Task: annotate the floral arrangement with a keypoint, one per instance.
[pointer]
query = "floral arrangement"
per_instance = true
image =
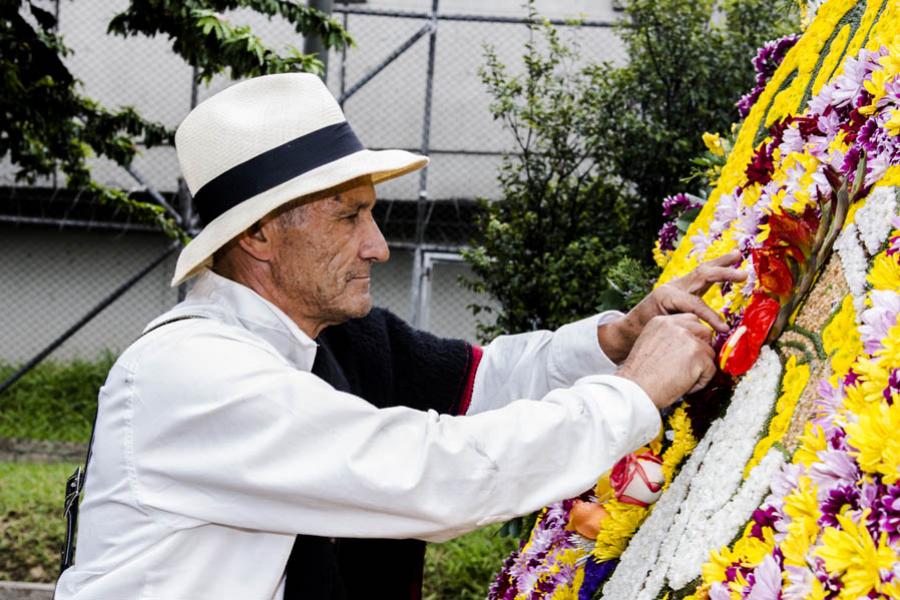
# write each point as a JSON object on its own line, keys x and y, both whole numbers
{"x": 831, "y": 526}
{"x": 568, "y": 554}
{"x": 807, "y": 486}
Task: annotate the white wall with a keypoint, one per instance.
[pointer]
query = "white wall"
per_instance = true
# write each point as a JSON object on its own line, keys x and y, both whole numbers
{"x": 49, "y": 279}
{"x": 387, "y": 112}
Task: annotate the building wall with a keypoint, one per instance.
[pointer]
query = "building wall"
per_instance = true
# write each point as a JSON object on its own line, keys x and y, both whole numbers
{"x": 50, "y": 279}
{"x": 388, "y": 112}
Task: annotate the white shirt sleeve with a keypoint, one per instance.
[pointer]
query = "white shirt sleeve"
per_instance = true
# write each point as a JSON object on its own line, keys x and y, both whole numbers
{"x": 529, "y": 365}
{"x": 222, "y": 431}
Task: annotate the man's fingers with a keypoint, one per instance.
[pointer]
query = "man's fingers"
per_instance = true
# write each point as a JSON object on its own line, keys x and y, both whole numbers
{"x": 703, "y": 277}
{"x": 709, "y": 371}
{"x": 684, "y": 302}
{"x": 725, "y": 259}
{"x": 698, "y": 330}
{"x": 717, "y": 270}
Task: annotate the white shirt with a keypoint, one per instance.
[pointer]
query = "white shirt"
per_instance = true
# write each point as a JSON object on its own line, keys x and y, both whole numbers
{"x": 215, "y": 446}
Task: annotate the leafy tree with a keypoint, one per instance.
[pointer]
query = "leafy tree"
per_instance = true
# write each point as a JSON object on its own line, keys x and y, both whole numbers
{"x": 597, "y": 149}
{"x": 49, "y": 126}
{"x": 689, "y": 63}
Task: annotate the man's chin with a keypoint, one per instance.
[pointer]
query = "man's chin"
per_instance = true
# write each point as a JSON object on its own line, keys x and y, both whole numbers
{"x": 359, "y": 309}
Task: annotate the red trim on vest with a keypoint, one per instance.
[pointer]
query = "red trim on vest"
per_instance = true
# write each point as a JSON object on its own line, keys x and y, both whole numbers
{"x": 474, "y": 361}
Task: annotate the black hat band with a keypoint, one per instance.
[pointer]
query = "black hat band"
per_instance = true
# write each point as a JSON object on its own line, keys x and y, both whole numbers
{"x": 274, "y": 167}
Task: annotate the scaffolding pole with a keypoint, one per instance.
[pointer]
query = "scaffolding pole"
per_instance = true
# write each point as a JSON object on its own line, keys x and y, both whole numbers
{"x": 422, "y": 199}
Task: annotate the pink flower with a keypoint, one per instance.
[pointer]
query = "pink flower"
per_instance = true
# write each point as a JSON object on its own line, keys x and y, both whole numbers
{"x": 767, "y": 580}
{"x": 879, "y": 319}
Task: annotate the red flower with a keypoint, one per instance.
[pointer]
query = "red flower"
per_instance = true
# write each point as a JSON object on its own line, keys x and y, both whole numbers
{"x": 761, "y": 167}
{"x": 772, "y": 271}
{"x": 741, "y": 349}
{"x": 794, "y": 232}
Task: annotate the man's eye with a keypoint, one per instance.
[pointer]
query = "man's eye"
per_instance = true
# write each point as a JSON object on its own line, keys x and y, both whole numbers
{"x": 352, "y": 217}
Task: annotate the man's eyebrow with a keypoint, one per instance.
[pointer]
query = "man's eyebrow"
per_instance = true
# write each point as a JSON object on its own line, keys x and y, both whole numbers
{"x": 350, "y": 204}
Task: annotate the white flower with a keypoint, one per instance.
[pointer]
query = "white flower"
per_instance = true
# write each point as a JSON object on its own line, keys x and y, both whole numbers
{"x": 873, "y": 219}
{"x": 707, "y": 502}
{"x": 855, "y": 264}
{"x": 643, "y": 551}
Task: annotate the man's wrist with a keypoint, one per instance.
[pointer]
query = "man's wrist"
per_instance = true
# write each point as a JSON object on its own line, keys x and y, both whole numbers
{"x": 615, "y": 340}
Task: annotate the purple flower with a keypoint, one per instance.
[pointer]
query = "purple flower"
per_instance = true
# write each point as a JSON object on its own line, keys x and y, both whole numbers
{"x": 831, "y": 583}
{"x": 848, "y": 88}
{"x": 851, "y": 378}
{"x": 677, "y": 204}
{"x": 884, "y": 502}
{"x": 837, "y": 499}
{"x": 823, "y": 102}
{"x": 594, "y": 574}
{"x": 893, "y": 387}
{"x": 764, "y": 517}
{"x": 878, "y": 320}
{"x": 668, "y": 236}
{"x": 524, "y": 568}
{"x": 765, "y": 63}
{"x": 673, "y": 208}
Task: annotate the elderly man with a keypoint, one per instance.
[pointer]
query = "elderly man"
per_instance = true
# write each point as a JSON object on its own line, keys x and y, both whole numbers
{"x": 225, "y": 430}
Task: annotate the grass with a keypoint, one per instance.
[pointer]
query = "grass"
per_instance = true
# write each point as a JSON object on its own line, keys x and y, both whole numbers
{"x": 32, "y": 527}
{"x": 462, "y": 569}
{"x": 54, "y": 401}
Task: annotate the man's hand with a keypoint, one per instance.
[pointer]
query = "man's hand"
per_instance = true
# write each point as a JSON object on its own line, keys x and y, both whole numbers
{"x": 672, "y": 356}
{"x": 677, "y": 296}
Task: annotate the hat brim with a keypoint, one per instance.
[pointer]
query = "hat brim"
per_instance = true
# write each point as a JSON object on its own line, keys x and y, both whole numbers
{"x": 381, "y": 165}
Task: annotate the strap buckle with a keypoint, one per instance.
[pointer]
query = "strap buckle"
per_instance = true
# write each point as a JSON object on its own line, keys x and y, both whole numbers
{"x": 74, "y": 485}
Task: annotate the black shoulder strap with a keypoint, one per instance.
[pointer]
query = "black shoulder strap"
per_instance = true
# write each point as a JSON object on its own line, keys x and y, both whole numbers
{"x": 75, "y": 482}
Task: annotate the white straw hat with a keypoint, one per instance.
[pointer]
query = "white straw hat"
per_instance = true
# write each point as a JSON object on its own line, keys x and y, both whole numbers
{"x": 262, "y": 143}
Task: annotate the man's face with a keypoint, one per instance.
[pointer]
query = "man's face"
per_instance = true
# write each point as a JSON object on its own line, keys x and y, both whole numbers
{"x": 323, "y": 254}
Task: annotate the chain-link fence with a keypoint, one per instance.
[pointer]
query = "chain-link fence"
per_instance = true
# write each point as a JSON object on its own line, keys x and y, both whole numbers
{"x": 410, "y": 82}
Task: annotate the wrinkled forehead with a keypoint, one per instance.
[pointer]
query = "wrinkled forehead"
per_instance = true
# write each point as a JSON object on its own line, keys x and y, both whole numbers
{"x": 353, "y": 194}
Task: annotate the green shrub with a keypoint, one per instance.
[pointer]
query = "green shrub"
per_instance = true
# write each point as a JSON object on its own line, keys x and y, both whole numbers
{"x": 462, "y": 569}
{"x": 32, "y": 527}
{"x": 54, "y": 401}
{"x": 597, "y": 148}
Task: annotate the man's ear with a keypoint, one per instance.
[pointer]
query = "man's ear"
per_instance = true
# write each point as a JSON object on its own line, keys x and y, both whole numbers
{"x": 258, "y": 240}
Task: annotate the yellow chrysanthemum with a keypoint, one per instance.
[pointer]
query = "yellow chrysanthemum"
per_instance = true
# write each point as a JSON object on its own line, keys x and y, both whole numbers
{"x": 885, "y": 273}
{"x": 568, "y": 591}
{"x": 802, "y": 507}
{"x": 893, "y": 125}
{"x": 889, "y": 355}
{"x": 811, "y": 443}
{"x": 873, "y": 377}
{"x": 874, "y": 438}
{"x": 737, "y": 585}
{"x": 660, "y": 257}
{"x": 715, "y": 568}
{"x": 683, "y": 443}
{"x": 617, "y": 529}
{"x": 852, "y": 553}
{"x": 841, "y": 340}
{"x": 794, "y": 382}
{"x": 714, "y": 143}
{"x": 751, "y": 550}
{"x": 854, "y": 397}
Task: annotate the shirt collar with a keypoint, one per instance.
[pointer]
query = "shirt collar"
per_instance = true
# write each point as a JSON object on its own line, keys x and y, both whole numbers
{"x": 236, "y": 303}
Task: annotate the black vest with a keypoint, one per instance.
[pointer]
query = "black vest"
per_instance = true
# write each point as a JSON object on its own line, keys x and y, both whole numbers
{"x": 384, "y": 361}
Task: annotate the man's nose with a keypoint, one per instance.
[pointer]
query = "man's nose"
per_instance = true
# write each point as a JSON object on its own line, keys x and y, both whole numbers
{"x": 374, "y": 247}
